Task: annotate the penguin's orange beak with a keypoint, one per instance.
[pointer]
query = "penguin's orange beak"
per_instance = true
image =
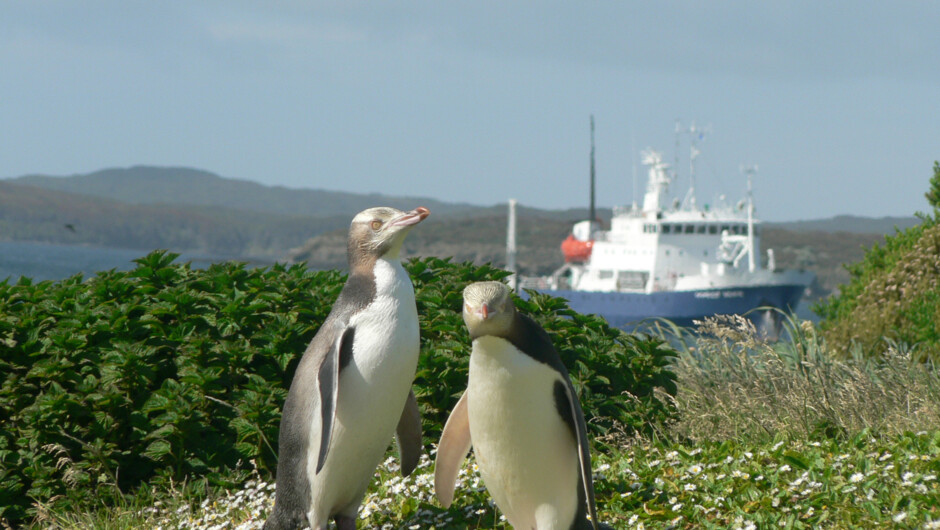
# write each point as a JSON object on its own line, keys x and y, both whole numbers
{"x": 483, "y": 312}
{"x": 411, "y": 218}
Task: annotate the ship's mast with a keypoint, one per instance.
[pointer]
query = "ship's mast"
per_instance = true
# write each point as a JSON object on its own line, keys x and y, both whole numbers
{"x": 633, "y": 163}
{"x": 695, "y": 133}
{"x": 593, "y": 214}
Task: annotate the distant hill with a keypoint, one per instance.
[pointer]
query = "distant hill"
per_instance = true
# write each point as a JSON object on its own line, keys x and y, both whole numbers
{"x": 28, "y": 213}
{"x": 183, "y": 209}
{"x": 186, "y": 186}
{"x": 850, "y": 224}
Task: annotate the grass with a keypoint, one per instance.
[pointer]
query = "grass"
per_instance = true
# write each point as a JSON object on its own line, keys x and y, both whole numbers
{"x": 734, "y": 385}
{"x": 771, "y": 435}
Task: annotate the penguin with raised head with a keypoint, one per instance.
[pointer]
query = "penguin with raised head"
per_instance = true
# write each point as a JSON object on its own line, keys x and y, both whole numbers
{"x": 352, "y": 388}
{"x": 524, "y": 420}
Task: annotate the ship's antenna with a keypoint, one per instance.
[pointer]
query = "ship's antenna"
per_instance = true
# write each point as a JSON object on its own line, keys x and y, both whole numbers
{"x": 695, "y": 133}
{"x": 693, "y": 154}
{"x": 593, "y": 214}
{"x": 633, "y": 162}
{"x": 675, "y": 167}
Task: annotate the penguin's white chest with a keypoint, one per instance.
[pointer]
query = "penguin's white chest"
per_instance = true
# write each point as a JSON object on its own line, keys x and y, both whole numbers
{"x": 373, "y": 388}
{"x": 527, "y": 454}
{"x": 387, "y": 335}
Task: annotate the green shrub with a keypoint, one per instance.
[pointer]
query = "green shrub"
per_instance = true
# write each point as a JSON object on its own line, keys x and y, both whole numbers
{"x": 168, "y": 373}
{"x": 893, "y": 295}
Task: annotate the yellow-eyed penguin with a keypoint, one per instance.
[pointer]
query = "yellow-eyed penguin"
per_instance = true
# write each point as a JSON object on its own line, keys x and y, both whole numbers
{"x": 352, "y": 388}
{"x": 524, "y": 419}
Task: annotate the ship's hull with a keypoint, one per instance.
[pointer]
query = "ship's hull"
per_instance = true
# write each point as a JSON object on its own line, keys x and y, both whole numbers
{"x": 627, "y": 310}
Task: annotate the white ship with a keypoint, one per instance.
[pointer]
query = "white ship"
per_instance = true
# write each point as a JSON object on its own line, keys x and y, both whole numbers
{"x": 671, "y": 259}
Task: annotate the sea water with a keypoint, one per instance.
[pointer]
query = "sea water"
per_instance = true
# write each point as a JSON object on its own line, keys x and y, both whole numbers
{"x": 45, "y": 261}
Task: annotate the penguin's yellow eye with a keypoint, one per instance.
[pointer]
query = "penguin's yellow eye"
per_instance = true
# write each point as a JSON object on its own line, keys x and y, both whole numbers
{"x": 376, "y": 224}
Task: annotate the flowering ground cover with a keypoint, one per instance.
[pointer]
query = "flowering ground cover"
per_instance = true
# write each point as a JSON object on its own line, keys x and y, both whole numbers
{"x": 863, "y": 482}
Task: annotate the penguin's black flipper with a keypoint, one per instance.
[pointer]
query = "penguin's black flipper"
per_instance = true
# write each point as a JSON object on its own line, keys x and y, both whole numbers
{"x": 566, "y": 398}
{"x": 328, "y": 377}
{"x": 408, "y": 435}
{"x": 453, "y": 448}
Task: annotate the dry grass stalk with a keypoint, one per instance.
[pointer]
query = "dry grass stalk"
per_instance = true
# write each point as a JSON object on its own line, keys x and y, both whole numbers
{"x": 735, "y": 384}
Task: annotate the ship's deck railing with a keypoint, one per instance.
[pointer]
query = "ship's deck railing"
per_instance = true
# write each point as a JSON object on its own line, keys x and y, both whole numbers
{"x": 534, "y": 282}
{"x": 631, "y": 211}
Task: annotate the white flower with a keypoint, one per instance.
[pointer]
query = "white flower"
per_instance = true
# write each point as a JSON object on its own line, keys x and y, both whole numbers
{"x": 900, "y": 517}
{"x": 857, "y": 477}
{"x": 689, "y": 487}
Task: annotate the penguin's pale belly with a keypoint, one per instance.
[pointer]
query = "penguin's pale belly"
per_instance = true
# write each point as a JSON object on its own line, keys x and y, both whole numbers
{"x": 528, "y": 456}
{"x": 372, "y": 393}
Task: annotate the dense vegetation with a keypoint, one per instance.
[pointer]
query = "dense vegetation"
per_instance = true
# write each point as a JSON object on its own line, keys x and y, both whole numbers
{"x": 770, "y": 434}
{"x": 894, "y": 292}
{"x": 165, "y": 374}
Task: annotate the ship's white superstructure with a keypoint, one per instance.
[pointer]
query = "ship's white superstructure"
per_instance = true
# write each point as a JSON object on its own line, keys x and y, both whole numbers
{"x": 663, "y": 246}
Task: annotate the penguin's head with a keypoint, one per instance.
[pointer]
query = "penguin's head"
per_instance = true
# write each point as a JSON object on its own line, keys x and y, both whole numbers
{"x": 488, "y": 309}
{"x": 379, "y": 232}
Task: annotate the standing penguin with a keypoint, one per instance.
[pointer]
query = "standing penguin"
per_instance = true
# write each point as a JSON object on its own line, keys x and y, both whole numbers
{"x": 352, "y": 388}
{"x": 525, "y": 421}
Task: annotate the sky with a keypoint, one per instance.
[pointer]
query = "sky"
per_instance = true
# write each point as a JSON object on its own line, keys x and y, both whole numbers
{"x": 836, "y": 103}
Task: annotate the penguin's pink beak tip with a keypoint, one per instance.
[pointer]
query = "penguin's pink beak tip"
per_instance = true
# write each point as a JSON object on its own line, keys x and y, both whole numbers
{"x": 412, "y": 218}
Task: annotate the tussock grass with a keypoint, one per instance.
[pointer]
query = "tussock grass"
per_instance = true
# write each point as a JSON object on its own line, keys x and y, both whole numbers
{"x": 735, "y": 384}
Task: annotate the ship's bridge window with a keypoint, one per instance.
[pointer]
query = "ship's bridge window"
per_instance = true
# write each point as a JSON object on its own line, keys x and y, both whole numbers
{"x": 605, "y": 275}
{"x": 689, "y": 229}
{"x": 667, "y": 228}
{"x": 713, "y": 229}
{"x": 649, "y": 228}
{"x": 700, "y": 229}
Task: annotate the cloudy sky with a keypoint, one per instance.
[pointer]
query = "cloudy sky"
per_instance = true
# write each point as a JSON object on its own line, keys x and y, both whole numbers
{"x": 838, "y": 103}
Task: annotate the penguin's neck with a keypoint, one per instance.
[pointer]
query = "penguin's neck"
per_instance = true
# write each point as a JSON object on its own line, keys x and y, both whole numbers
{"x": 391, "y": 279}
